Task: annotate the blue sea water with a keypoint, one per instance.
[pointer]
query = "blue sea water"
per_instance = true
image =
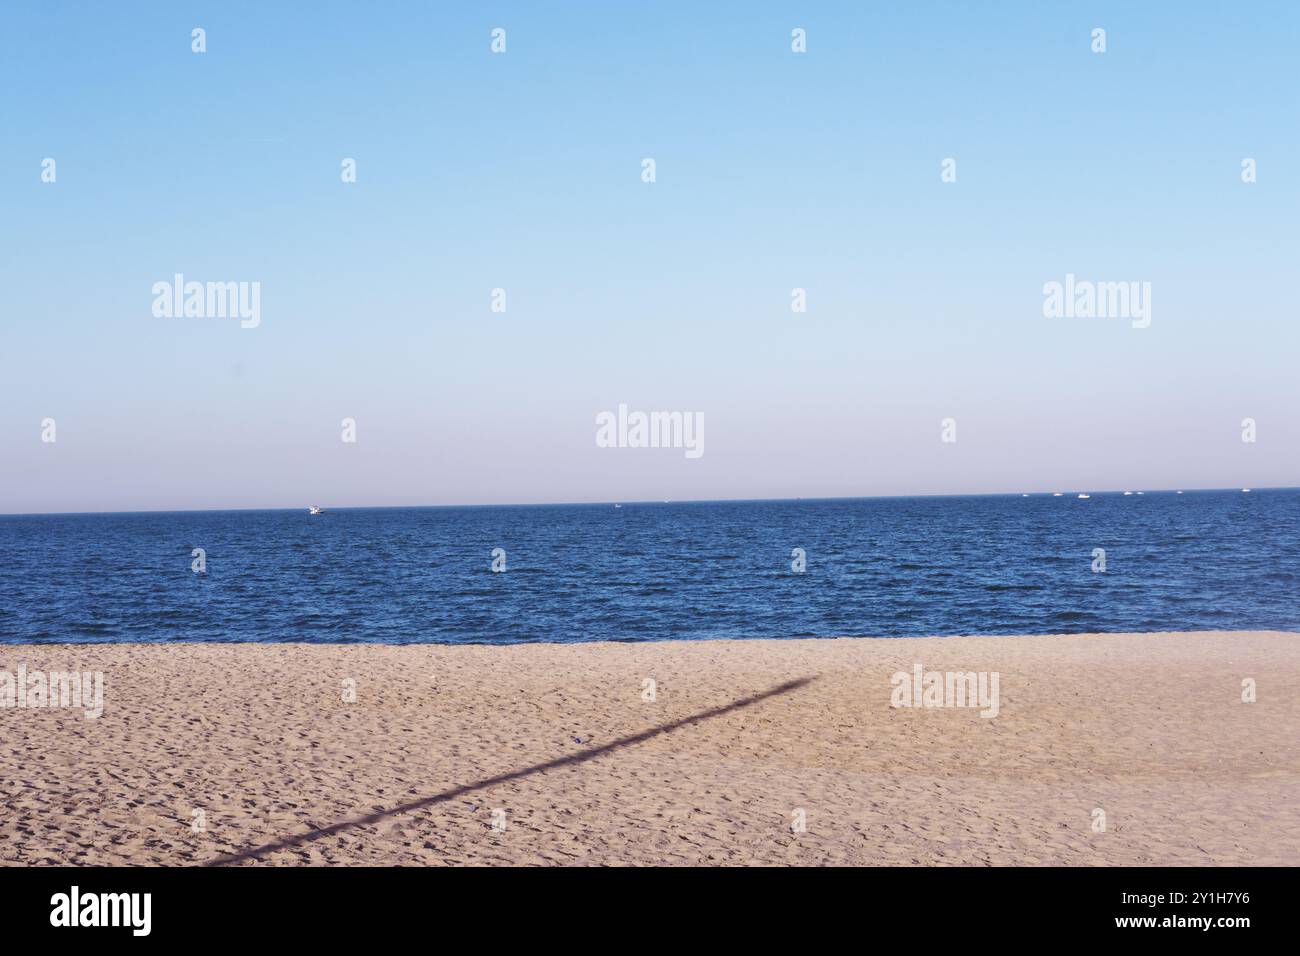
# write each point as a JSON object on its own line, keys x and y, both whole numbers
{"x": 876, "y": 566}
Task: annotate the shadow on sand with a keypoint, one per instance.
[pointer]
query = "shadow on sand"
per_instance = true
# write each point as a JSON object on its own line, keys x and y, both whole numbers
{"x": 288, "y": 843}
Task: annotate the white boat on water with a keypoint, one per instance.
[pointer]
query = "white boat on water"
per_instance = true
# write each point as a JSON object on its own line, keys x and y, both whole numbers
{"x": 1128, "y": 493}
{"x": 1085, "y": 496}
{"x": 1245, "y": 491}
{"x": 313, "y": 510}
{"x": 1056, "y": 494}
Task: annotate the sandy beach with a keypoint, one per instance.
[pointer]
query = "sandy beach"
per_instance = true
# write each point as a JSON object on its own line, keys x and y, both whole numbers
{"x": 740, "y": 752}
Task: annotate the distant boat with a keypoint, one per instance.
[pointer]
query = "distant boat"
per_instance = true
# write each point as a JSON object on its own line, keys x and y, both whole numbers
{"x": 618, "y": 506}
{"x": 313, "y": 510}
{"x": 1246, "y": 490}
{"x": 1056, "y": 494}
{"x": 1085, "y": 496}
{"x": 1140, "y": 492}
{"x": 1129, "y": 492}
{"x": 1024, "y": 496}
{"x": 1178, "y": 492}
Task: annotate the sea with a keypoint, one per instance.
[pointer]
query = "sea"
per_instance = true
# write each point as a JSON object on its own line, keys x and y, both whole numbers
{"x": 652, "y": 571}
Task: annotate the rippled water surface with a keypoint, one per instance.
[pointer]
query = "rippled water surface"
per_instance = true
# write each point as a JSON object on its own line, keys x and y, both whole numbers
{"x": 882, "y": 566}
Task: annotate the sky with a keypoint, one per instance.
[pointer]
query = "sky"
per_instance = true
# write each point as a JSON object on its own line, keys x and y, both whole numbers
{"x": 523, "y": 171}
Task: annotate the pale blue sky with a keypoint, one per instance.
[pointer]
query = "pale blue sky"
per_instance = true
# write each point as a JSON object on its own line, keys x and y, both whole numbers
{"x": 522, "y": 171}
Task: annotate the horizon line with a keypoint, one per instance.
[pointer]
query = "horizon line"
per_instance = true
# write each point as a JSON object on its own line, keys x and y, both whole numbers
{"x": 646, "y": 501}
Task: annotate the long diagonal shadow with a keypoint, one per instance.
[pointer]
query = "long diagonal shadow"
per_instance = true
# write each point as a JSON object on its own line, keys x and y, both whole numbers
{"x": 287, "y": 843}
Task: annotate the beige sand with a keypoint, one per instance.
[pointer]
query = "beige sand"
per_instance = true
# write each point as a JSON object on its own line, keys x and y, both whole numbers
{"x": 1149, "y": 728}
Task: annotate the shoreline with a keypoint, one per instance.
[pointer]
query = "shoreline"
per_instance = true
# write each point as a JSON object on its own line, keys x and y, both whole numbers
{"x": 742, "y": 751}
{"x": 633, "y": 642}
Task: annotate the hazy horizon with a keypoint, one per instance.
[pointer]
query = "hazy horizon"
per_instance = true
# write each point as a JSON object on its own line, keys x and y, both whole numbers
{"x": 1065, "y": 492}
{"x": 775, "y": 171}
